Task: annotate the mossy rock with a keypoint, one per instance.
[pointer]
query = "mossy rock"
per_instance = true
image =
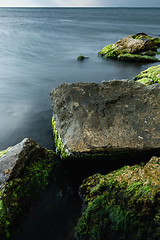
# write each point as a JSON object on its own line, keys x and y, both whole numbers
{"x": 149, "y": 76}
{"x": 22, "y": 191}
{"x": 109, "y": 51}
{"x": 125, "y": 204}
{"x": 156, "y": 40}
{"x": 81, "y": 58}
{"x": 136, "y": 58}
{"x": 136, "y": 48}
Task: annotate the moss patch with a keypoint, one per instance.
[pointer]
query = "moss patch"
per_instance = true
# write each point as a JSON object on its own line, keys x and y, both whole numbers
{"x": 121, "y": 205}
{"x": 109, "y": 51}
{"x": 58, "y": 141}
{"x": 21, "y": 193}
{"x": 149, "y": 76}
{"x": 137, "y": 58}
{"x": 4, "y": 152}
{"x": 156, "y": 40}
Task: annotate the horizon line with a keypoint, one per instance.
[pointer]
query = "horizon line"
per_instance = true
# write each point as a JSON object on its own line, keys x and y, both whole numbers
{"x": 79, "y": 7}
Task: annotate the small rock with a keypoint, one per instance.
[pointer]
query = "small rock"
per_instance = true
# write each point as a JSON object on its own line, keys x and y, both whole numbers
{"x": 81, "y": 58}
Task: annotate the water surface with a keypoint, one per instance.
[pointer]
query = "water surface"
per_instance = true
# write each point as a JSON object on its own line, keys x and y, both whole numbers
{"x": 38, "y": 51}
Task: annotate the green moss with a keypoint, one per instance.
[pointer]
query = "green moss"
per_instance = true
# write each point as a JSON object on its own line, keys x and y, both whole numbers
{"x": 141, "y": 36}
{"x": 58, "y": 141}
{"x": 156, "y": 41}
{"x": 149, "y": 76}
{"x": 81, "y": 58}
{"x": 146, "y": 81}
{"x": 148, "y": 53}
{"x": 137, "y": 58}
{"x": 109, "y": 51}
{"x": 4, "y": 152}
{"x": 102, "y": 219}
{"x": 21, "y": 193}
{"x": 120, "y": 206}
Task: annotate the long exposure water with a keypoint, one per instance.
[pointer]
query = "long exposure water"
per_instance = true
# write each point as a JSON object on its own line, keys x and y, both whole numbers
{"x": 38, "y": 51}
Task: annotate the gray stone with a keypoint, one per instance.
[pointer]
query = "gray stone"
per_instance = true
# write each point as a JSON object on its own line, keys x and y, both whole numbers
{"x": 14, "y": 159}
{"x": 131, "y": 45}
{"x": 118, "y": 115}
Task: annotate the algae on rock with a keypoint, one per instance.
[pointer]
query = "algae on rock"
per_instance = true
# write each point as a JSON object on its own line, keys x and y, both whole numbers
{"x": 136, "y": 48}
{"x": 2, "y": 152}
{"x": 149, "y": 76}
{"x": 58, "y": 141}
{"x": 81, "y": 58}
{"x": 124, "y": 204}
{"x": 21, "y": 189}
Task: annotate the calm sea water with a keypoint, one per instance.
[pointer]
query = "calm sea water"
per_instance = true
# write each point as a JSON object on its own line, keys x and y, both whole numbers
{"x": 38, "y": 51}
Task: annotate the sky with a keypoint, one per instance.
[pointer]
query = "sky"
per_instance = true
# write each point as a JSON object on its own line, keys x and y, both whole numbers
{"x": 80, "y": 3}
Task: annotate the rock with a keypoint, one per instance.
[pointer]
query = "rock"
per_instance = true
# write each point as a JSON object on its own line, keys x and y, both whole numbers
{"x": 139, "y": 48}
{"x": 15, "y": 158}
{"x": 123, "y": 204}
{"x": 81, "y": 58}
{"x": 149, "y": 76}
{"x": 116, "y": 116}
{"x": 26, "y": 170}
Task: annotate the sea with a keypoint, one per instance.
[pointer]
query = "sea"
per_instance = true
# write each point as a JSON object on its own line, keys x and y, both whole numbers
{"x": 38, "y": 51}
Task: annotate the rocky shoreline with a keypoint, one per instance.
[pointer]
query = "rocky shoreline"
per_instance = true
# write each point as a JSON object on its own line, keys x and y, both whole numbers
{"x": 111, "y": 129}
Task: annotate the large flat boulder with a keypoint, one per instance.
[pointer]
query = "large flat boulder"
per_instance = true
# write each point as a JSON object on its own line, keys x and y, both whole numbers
{"x": 119, "y": 115}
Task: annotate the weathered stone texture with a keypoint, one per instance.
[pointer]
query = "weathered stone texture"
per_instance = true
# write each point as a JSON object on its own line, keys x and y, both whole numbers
{"x": 17, "y": 157}
{"x": 118, "y": 115}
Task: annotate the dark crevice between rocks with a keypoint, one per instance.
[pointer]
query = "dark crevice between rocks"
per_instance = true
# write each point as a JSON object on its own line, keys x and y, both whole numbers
{"x": 56, "y": 213}
{"x": 82, "y": 166}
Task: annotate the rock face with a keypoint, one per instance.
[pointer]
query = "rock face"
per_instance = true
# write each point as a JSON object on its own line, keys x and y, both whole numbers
{"x": 122, "y": 205}
{"x": 149, "y": 76}
{"x": 14, "y": 159}
{"x": 138, "y": 48}
{"x": 120, "y": 115}
{"x": 132, "y": 45}
{"x": 25, "y": 172}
